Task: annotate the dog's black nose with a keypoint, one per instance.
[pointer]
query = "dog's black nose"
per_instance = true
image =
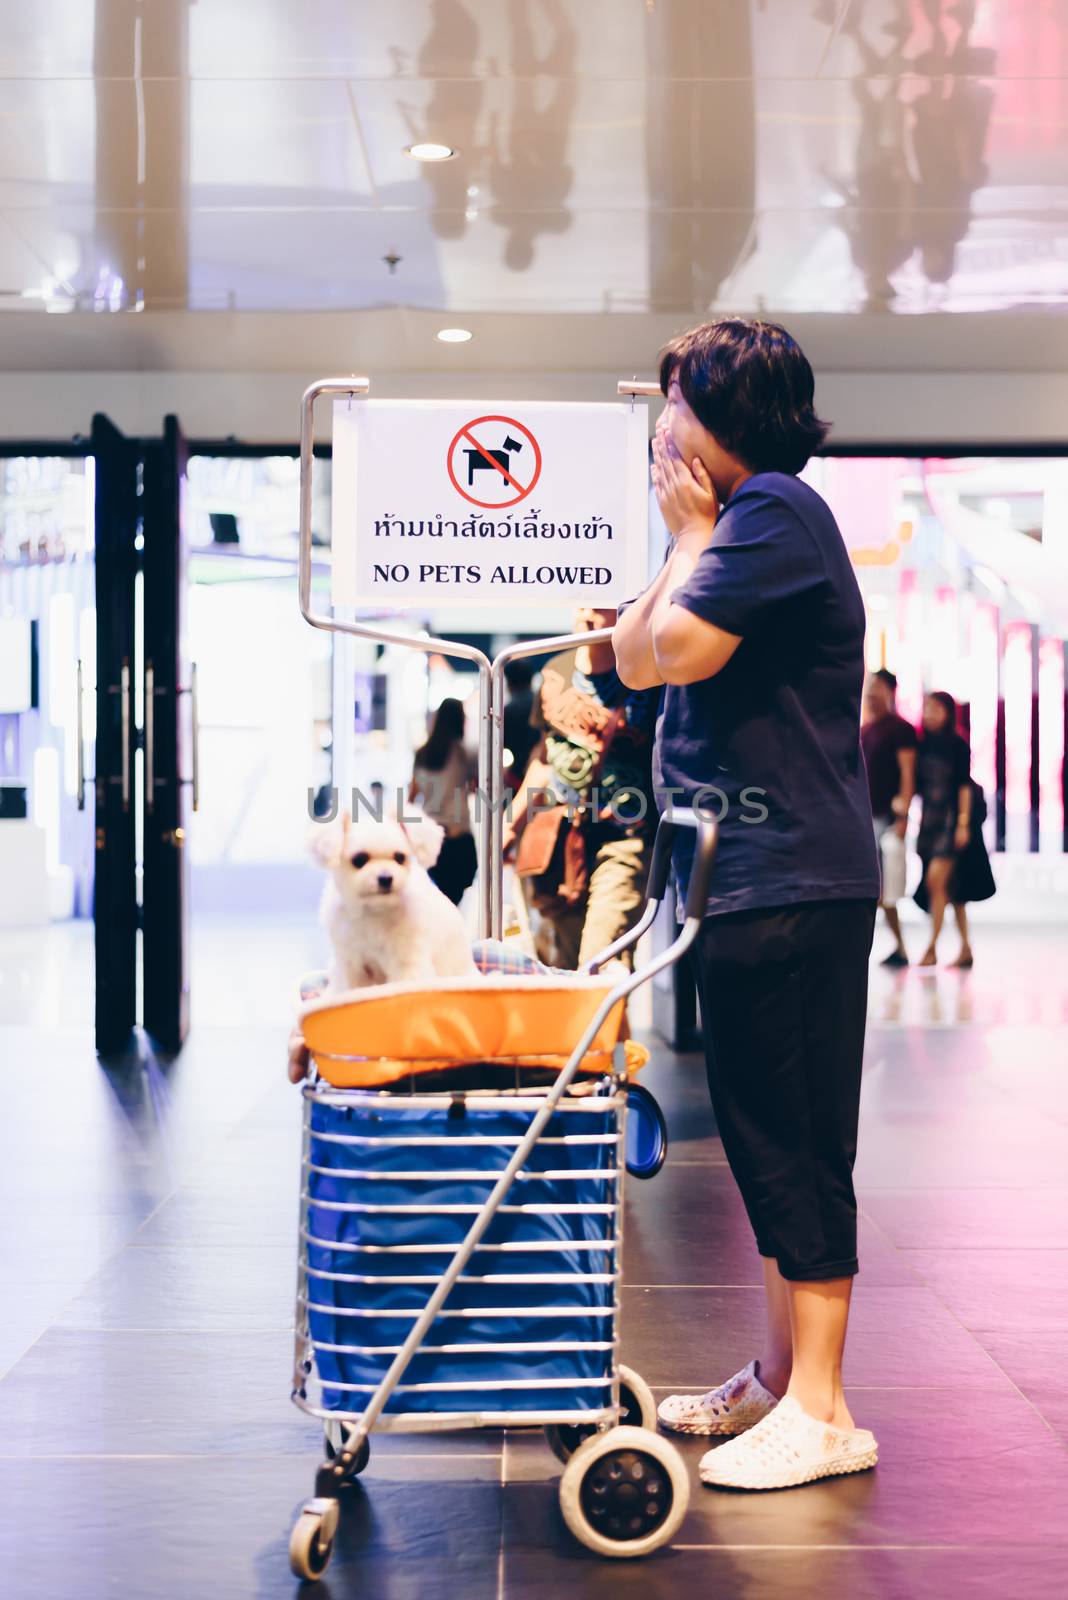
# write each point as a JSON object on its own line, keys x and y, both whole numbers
{"x": 385, "y": 882}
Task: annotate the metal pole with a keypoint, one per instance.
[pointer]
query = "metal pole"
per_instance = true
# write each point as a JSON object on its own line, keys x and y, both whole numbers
{"x": 355, "y": 386}
{"x": 489, "y": 845}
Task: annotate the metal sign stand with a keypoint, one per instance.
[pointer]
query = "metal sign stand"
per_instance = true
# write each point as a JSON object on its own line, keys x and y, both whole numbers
{"x": 491, "y": 683}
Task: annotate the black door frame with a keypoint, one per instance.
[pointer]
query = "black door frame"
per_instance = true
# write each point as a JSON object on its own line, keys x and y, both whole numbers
{"x": 115, "y": 909}
{"x": 169, "y": 741}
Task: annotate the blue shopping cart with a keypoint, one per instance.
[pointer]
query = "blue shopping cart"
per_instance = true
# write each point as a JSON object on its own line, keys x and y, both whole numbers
{"x": 461, "y": 1229}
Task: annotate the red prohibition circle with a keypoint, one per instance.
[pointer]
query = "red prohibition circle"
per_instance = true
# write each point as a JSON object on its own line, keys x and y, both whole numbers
{"x": 465, "y": 432}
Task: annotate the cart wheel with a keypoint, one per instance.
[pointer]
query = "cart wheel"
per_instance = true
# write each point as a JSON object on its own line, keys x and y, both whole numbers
{"x": 637, "y": 1410}
{"x": 624, "y": 1492}
{"x": 335, "y": 1438}
{"x": 311, "y": 1544}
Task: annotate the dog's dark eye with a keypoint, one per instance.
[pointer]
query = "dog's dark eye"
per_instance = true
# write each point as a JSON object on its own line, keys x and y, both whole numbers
{"x": 399, "y": 857}
{"x": 361, "y": 858}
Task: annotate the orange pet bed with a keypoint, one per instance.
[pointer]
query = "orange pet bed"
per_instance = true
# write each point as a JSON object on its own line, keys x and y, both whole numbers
{"x": 370, "y": 1038}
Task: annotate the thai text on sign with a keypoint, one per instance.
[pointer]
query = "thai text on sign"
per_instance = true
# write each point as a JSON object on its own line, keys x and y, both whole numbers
{"x": 476, "y": 502}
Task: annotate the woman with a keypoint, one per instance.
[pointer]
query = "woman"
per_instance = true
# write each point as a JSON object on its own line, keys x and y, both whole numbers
{"x": 950, "y": 845}
{"x": 441, "y": 781}
{"x": 755, "y": 625}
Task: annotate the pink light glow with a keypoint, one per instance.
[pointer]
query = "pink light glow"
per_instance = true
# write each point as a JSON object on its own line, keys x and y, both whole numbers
{"x": 1018, "y": 690}
{"x": 983, "y": 694}
{"x": 945, "y": 653}
{"x": 908, "y": 658}
{"x": 1051, "y": 740}
{"x": 865, "y": 495}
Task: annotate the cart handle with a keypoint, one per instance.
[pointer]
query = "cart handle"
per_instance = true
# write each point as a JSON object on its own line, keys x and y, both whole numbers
{"x": 674, "y": 818}
{"x": 707, "y": 832}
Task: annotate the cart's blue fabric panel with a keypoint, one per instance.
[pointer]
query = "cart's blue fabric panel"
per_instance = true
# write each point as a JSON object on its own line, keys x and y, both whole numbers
{"x": 369, "y": 1223}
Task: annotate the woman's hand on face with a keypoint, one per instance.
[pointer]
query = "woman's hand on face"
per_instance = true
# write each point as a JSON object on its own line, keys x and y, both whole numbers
{"x": 684, "y": 491}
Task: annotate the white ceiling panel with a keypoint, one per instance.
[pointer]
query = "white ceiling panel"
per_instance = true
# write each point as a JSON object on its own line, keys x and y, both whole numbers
{"x": 652, "y": 157}
{"x": 281, "y": 143}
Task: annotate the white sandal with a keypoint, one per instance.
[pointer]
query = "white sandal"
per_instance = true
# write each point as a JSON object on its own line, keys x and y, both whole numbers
{"x": 786, "y": 1449}
{"x": 736, "y": 1405}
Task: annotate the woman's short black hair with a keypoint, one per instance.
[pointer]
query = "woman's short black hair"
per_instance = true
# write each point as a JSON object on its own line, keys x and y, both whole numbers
{"x": 750, "y": 385}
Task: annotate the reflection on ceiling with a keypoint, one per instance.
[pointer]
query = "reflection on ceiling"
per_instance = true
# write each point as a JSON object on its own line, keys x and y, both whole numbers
{"x": 665, "y": 156}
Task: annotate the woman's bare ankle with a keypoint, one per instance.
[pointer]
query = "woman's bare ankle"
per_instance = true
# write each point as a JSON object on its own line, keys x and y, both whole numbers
{"x": 826, "y": 1405}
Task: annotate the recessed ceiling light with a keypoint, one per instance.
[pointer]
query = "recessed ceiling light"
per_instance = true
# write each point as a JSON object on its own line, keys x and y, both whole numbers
{"x": 454, "y": 335}
{"x": 430, "y": 152}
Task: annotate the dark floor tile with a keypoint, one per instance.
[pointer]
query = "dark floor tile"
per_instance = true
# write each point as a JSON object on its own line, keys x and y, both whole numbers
{"x": 971, "y": 1219}
{"x": 938, "y": 1071}
{"x": 1035, "y": 1362}
{"x": 221, "y": 1216}
{"x": 688, "y": 1225}
{"x": 38, "y": 1238}
{"x": 247, "y": 1161}
{"x": 1029, "y": 1068}
{"x": 688, "y": 1339}
{"x": 32, "y": 1304}
{"x": 189, "y": 1288}
{"x": 541, "y": 1569}
{"x": 59, "y": 1264}
{"x": 220, "y": 1529}
{"x": 18, "y": 1336}
{"x": 117, "y": 1393}
{"x": 1023, "y": 1290}
{"x": 997, "y": 1147}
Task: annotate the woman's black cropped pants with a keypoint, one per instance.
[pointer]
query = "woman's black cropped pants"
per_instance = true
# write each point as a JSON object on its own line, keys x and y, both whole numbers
{"x": 783, "y": 1001}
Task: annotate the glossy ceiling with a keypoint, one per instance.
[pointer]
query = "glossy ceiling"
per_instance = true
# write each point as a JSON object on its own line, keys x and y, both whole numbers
{"x": 657, "y": 156}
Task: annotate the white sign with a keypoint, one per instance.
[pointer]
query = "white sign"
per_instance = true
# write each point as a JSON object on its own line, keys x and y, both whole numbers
{"x": 477, "y": 503}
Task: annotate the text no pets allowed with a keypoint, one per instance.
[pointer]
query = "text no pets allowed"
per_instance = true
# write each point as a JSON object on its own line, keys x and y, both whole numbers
{"x": 445, "y": 572}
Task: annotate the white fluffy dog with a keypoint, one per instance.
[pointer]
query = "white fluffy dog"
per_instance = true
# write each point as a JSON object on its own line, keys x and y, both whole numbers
{"x": 388, "y": 923}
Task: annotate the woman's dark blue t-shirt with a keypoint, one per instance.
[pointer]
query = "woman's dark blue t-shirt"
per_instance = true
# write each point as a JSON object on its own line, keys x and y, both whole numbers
{"x": 774, "y": 738}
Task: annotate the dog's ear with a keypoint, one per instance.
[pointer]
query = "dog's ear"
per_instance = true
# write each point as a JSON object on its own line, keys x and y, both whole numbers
{"x": 326, "y": 841}
{"x": 425, "y": 837}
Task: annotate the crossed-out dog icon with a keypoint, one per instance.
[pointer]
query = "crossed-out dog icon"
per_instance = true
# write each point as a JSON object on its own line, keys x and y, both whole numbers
{"x": 477, "y": 462}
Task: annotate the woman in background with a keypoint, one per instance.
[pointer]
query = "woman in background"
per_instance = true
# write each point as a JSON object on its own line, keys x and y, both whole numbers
{"x": 950, "y": 845}
{"x": 441, "y": 782}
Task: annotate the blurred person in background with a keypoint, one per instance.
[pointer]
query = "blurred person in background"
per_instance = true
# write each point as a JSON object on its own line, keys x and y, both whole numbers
{"x": 441, "y": 783}
{"x": 955, "y": 864}
{"x": 520, "y": 734}
{"x": 594, "y": 756}
{"x": 889, "y": 745}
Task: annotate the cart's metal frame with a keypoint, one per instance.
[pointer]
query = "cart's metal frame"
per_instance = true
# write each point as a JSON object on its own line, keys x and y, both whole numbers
{"x": 490, "y": 673}
{"x": 321, "y": 1512}
{"x": 371, "y": 1416}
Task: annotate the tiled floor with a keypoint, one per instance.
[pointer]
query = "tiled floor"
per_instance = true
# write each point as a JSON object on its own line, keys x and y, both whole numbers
{"x": 147, "y": 1445}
